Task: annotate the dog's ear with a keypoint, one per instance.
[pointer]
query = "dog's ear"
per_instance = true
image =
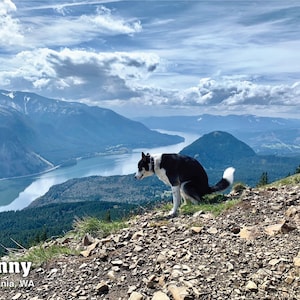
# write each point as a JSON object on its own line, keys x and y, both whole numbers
{"x": 143, "y": 156}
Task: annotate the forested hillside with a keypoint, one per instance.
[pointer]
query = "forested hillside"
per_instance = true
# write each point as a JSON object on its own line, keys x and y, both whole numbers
{"x": 30, "y": 226}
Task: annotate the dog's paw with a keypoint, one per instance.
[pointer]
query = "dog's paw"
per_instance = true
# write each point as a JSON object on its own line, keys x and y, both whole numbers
{"x": 171, "y": 214}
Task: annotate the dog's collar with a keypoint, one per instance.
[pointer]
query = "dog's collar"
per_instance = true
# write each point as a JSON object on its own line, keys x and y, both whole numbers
{"x": 152, "y": 164}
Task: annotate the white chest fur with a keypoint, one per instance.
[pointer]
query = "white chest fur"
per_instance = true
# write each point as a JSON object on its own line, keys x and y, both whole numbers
{"x": 160, "y": 172}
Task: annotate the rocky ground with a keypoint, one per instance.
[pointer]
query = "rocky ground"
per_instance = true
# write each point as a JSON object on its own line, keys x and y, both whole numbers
{"x": 251, "y": 251}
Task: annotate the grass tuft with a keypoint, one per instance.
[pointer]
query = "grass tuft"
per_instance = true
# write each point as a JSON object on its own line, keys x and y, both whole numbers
{"x": 41, "y": 254}
{"x": 290, "y": 180}
{"x": 96, "y": 227}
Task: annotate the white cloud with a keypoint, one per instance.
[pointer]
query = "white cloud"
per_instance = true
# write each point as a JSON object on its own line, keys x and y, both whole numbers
{"x": 65, "y": 28}
{"x": 235, "y": 91}
{"x": 6, "y": 6}
{"x": 105, "y": 22}
{"x": 76, "y": 74}
{"x": 10, "y": 28}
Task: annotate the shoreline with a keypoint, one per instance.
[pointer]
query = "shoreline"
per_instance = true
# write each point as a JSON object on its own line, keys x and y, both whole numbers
{"x": 68, "y": 163}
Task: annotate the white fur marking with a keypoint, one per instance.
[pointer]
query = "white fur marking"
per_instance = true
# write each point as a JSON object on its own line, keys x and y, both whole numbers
{"x": 228, "y": 174}
{"x": 176, "y": 200}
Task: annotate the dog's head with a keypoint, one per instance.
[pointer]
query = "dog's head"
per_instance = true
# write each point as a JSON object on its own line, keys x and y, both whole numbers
{"x": 144, "y": 167}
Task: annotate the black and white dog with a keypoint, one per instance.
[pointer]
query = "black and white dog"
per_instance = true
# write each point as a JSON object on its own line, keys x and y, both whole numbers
{"x": 184, "y": 174}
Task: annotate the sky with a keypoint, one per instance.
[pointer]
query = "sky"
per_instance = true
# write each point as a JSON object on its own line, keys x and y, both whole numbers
{"x": 156, "y": 57}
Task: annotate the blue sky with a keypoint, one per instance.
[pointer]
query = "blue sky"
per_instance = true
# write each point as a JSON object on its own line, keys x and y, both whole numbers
{"x": 156, "y": 57}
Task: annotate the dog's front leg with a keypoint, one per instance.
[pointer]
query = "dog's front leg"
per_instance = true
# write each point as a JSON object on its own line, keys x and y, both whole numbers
{"x": 176, "y": 200}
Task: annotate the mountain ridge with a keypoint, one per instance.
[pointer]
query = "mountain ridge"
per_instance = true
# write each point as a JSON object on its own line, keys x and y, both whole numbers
{"x": 59, "y": 130}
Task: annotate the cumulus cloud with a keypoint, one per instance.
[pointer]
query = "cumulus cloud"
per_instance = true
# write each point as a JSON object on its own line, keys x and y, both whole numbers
{"x": 233, "y": 91}
{"x": 10, "y": 28}
{"x": 76, "y": 74}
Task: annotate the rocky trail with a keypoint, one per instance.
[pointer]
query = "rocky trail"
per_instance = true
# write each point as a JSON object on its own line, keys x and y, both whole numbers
{"x": 250, "y": 251}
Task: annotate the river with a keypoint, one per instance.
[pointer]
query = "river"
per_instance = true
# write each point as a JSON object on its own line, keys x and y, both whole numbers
{"x": 33, "y": 187}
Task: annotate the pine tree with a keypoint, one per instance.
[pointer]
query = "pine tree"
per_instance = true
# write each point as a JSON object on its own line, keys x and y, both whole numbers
{"x": 263, "y": 179}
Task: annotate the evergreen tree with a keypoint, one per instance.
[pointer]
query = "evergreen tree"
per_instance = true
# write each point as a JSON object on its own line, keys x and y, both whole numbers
{"x": 263, "y": 179}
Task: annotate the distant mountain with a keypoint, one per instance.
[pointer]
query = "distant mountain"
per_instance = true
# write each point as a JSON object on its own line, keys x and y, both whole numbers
{"x": 266, "y": 135}
{"x": 218, "y": 150}
{"x": 47, "y": 132}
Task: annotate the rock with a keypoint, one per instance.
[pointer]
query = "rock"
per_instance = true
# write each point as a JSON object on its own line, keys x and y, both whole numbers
{"x": 160, "y": 296}
{"x": 117, "y": 262}
{"x": 136, "y": 296}
{"x": 137, "y": 235}
{"x": 297, "y": 260}
{"x": 196, "y": 229}
{"x": 17, "y": 296}
{"x": 292, "y": 211}
{"x": 111, "y": 275}
{"x": 102, "y": 288}
{"x": 282, "y": 227}
{"x": 87, "y": 240}
{"x": 251, "y": 286}
{"x": 178, "y": 293}
{"x": 212, "y": 230}
{"x": 249, "y": 233}
{"x": 89, "y": 249}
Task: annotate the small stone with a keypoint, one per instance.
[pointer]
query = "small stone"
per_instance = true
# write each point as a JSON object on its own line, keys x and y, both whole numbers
{"x": 161, "y": 258}
{"x": 251, "y": 286}
{"x": 117, "y": 262}
{"x": 292, "y": 211}
{"x": 138, "y": 248}
{"x": 229, "y": 266}
{"x": 178, "y": 293}
{"x": 274, "y": 261}
{"x": 289, "y": 279}
{"x": 282, "y": 227}
{"x": 297, "y": 261}
{"x": 102, "y": 288}
{"x": 160, "y": 296}
{"x": 212, "y": 230}
{"x": 87, "y": 240}
{"x": 249, "y": 233}
{"x": 196, "y": 229}
{"x": 89, "y": 249}
{"x": 111, "y": 275}
{"x": 136, "y": 296}
{"x": 16, "y": 296}
{"x": 137, "y": 235}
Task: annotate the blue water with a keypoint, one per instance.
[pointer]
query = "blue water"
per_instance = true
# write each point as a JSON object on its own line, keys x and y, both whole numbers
{"x": 122, "y": 164}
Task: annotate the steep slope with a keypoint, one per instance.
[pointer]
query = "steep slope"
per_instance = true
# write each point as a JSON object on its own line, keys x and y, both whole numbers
{"x": 17, "y": 157}
{"x": 60, "y": 130}
{"x": 249, "y": 251}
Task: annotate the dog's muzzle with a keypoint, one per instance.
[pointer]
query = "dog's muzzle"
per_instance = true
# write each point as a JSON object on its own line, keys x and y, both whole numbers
{"x": 138, "y": 176}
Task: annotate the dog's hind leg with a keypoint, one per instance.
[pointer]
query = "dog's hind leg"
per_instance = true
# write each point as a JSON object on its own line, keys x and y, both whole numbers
{"x": 176, "y": 200}
{"x": 191, "y": 192}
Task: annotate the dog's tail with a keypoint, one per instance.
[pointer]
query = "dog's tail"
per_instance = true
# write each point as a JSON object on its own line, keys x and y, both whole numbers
{"x": 225, "y": 182}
